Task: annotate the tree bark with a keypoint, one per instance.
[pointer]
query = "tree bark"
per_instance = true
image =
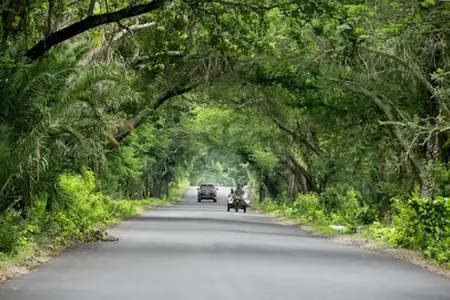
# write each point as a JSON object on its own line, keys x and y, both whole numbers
{"x": 156, "y": 190}
{"x": 38, "y": 162}
{"x": 262, "y": 193}
{"x": 385, "y": 200}
{"x": 432, "y": 115}
{"x": 97, "y": 175}
{"x": 272, "y": 186}
{"x": 16, "y": 9}
{"x": 304, "y": 176}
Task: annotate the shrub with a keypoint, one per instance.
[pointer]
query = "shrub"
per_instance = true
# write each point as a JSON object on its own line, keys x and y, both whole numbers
{"x": 417, "y": 223}
{"x": 424, "y": 224}
{"x": 345, "y": 210}
{"x": 11, "y": 230}
{"x": 308, "y": 208}
{"x": 83, "y": 214}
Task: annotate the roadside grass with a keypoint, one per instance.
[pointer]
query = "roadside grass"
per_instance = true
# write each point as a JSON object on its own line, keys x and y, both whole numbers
{"x": 64, "y": 230}
{"x": 361, "y": 239}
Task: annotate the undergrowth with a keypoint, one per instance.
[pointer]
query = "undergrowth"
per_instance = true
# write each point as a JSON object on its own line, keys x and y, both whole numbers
{"x": 84, "y": 218}
{"x": 415, "y": 223}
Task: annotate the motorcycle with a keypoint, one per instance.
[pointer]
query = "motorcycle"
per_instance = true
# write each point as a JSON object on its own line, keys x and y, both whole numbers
{"x": 238, "y": 203}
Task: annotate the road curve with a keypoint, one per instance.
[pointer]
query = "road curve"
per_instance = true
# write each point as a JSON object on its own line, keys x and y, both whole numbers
{"x": 200, "y": 251}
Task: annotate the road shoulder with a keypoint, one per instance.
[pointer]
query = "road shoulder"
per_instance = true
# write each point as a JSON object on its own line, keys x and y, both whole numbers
{"x": 359, "y": 241}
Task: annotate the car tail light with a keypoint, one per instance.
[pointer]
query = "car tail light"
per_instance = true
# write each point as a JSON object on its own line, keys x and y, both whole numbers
{"x": 214, "y": 191}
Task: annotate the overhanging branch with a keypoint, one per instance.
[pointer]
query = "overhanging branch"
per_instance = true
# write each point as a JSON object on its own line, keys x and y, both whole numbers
{"x": 139, "y": 118}
{"x": 298, "y": 137}
{"x": 383, "y": 104}
{"x": 90, "y": 22}
{"x": 419, "y": 77}
{"x": 120, "y": 36}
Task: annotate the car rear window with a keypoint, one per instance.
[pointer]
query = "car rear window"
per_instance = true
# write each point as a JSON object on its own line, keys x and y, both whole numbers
{"x": 207, "y": 186}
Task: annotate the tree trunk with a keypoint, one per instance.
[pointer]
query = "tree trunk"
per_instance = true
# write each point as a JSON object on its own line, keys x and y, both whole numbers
{"x": 432, "y": 114}
{"x": 97, "y": 175}
{"x": 262, "y": 193}
{"x": 156, "y": 191}
{"x": 38, "y": 162}
{"x": 385, "y": 200}
{"x": 51, "y": 199}
{"x": 272, "y": 186}
{"x": 304, "y": 177}
{"x": 432, "y": 159}
{"x": 16, "y": 9}
{"x": 27, "y": 196}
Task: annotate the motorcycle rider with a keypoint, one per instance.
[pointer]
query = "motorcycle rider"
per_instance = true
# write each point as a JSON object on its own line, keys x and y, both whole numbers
{"x": 239, "y": 193}
{"x": 231, "y": 194}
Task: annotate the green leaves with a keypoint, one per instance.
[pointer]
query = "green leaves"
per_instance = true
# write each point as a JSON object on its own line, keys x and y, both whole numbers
{"x": 423, "y": 224}
{"x": 428, "y": 3}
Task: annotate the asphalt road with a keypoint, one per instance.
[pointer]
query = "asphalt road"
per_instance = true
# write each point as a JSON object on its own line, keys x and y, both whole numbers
{"x": 200, "y": 251}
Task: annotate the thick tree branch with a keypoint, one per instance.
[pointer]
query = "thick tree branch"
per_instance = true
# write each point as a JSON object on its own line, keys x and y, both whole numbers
{"x": 96, "y": 53}
{"x": 382, "y": 103}
{"x": 124, "y": 27}
{"x": 140, "y": 117}
{"x": 295, "y": 135}
{"x": 90, "y": 22}
{"x": 405, "y": 64}
{"x": 124, "y": 33}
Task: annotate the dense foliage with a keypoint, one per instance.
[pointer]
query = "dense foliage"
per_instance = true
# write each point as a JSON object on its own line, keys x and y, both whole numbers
{"x": 333, "y": 111}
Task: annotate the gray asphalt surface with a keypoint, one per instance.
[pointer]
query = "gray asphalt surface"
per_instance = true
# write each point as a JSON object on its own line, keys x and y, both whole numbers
{"x": 200, "y": 251}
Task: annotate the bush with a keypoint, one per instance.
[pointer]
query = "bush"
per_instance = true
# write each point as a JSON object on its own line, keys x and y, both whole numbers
{"x": 11, "y": 231}
{"x": 83, "y": 214}
{"x": 343, "y": 205}
{"x": 377, "y": 231}
{"x": 308, "y": 208}
{"x": 345, "y": 209}
{"x": 421, "y": 224}
{"x": 424, "y": 224}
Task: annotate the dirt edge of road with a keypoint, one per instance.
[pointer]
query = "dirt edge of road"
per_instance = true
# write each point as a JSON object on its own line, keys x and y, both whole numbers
{"x": 413, "y": 257}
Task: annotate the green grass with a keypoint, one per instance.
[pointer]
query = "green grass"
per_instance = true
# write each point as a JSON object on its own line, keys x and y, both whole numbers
{"x": 46, "y": 246}
{"x": 324, "y": 229}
